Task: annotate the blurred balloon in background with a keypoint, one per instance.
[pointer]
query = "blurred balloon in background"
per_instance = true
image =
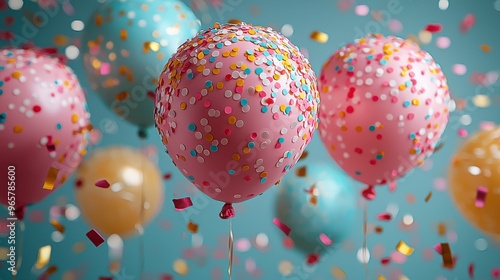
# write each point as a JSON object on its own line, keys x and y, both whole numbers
{"x": 108, "y": 190}
{"x": 474, "y": 179}
{"x": 318, "y": 203}
{"x": 44, "y": 124}
{"x": 125, "y": 46}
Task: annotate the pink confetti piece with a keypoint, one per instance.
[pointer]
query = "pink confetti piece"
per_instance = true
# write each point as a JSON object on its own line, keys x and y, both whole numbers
{"x": 481, "y": 196}
{"x": 392, "y": 186}
{"x": 284, "y": 228}
{"x": 467, "y": 23}
{"x": 95, "y": 237}
{"x": 361, "y": 10}
{"x": 325, "y": 239}
{"x": 242, "y": 245}
{"x": 495, "y": 272}
{"x": 102, "y": 184}
{"x": 384, "y": 217}
{"x": 459, "y": 69}
{"x": 487, "y": 126}
{"x": 395, "y": 26}
{"x": 434, "y": 27}
{"x": 288, "y": 242}
{"x": 182, "y": 203}
{"x": 105, "y": 68}
{"x": 397, "y": 257}
{"x": 437, "y": 248}
{"x": 462, "y": 132}
{"x": 443, "y": 42}
{"x": 312, "y": 259}
{"x": 68, "y": 8}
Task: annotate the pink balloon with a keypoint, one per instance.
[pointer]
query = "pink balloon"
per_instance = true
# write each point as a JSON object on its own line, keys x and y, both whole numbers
{"x": 384, "y": 107}
{"x": 43, "y": 124}
{"x": 236, "y": 106}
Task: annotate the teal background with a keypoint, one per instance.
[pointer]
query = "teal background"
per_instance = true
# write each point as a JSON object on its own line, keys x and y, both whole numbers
{"x": 167, "y": 238}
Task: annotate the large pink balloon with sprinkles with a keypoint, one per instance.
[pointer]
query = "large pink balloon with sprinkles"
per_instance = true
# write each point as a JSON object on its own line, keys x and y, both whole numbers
{"x": 384, "y": 107}
{"x": 236, "y": 106}
{"x": 43, "y": 124}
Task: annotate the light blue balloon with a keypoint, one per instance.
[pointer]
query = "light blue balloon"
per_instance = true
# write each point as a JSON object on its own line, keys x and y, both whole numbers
{"x": 333, "y": 214}
{"x": 125, "y": 46}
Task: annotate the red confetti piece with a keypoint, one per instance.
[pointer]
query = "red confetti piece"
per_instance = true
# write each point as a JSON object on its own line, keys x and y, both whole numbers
{"x": 105, "y": 278}
{"x": 166, "y": 277}
{"x": 385, "y": 261}
{"x": 102, "y": 184}
{"x": 95, "y": 237}
{"x": 182, "y": 203}
{"x": 467, "y": 23}
{"x": 437, "y": 247}
{"x": 495, "y": 272}
{"x": 384, "y": 217}
{"x": 481, "y": 196}
{"x": 312, "y": 259}
{"x": 325, "y": 239}
{"x": 167, "y": 176}
{"x": 288, "y": 242}
{"x": 471, "y": 270}
{"x": 284, "y": 228}
{"x": 434, "y": 28}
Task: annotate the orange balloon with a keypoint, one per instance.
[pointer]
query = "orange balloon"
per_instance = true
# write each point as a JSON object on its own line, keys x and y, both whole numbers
{"x": 117, "y": 208}
{"x": 477, "y": 164}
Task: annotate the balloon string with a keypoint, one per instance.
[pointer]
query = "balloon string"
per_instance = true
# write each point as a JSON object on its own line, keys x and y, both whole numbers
{"x": 365, "y": 249}
{"x": 230, "y": 250}
{"x": 141, "y": 214}
{"x": 19, "y": 250}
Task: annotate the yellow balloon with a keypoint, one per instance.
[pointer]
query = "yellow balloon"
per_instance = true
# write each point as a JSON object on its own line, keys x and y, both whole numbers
{"x": 477, "y": 164}
{"x": 116, "y": 209}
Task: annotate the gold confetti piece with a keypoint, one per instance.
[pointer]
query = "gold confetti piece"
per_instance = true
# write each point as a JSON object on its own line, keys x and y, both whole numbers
{"x": 379, "y": 229}
{"x": 338, "y": 273}
{"x": 447, "y": 256}
{"x": 192, "y": 227}
{"x": 153, "y": 46}
{"x": 486, "y": 48}
{"x": 381, "y": 277}
{"x": 51, "y": 270}
{"x": 428, "y": 197}
{"x": 301, "y": 172}
{"x": 404, "y": 249}
{"x": 114, "y": 266}
{"x": 313, "y": 200}
{"x": 18, "y": 129}
{"x": 304, "y": 155}
{"x": 121, "y": 96}
{"x": 481, "y": 100}
{"x": 441, "y": 229}
{"x": 3, "y": 253}
{"x": 43, "y": 256}
{"x": 60, "y": 228}
{"x": 51, "y": 178}
{"x": 181, "y": 267}
{"x": 60, "y": 40}
{"x": 319, "y": 37}
{"x": 234, "y": 21}
{"x": 98, "y": 20}
{"x": 123, "y": 34}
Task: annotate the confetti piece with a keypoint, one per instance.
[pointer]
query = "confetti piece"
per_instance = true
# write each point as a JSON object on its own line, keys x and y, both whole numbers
{"x": 43, "y": 256}
{"x": 319, "y": 37}
{"x": 166, "y": 277}
{"x": 471, "y": 270}
{"x": 284, "y": 228}
{"x": 325, "y": 239}
{"x": 95, "y": 237}
{"x": 167, "y": 176}
{"x": 60, "y": 40}
{"x": 467, "y": 23}
{"x": 395, "y": 26}
{"x": 384, "y": 217}
{"x": 428, "y": 197}
{"x": 338, "y": 273}
{"x": 441, "y": 229}
{"x": 439, "y": 147}
{"x": 123, "y": 34}
{"x": 361, "y": 10}
{"x": 447, "y": 256}
{"x": 180, "y": 266}
{"x": 462, "y": 132}
{"x": 486, "y": 48}
{"x": 443, "y": 42}
{"x": 51, "y": 179}
{"x": 495, "y": 272}
{"x": 381, "y": 277}
{"x": 60, "y": 228}
{"x": 105, "y": 278}
{"x": 433, "y": 28}
{"x": 121, "y": 96}
{"x": 303, "y": 155}
{"x": 182, "y": 203}
{"x": 192, "y": 227}
{"x": 301, "y": 172}
{"x": 50, "y": 270}
{"x": 312, "y": 259}
{"x": 404, "y": 249}
{"x": 392, "y": 186}
{"x": 378, "y": 229}
{"x": 385, "y": 261}
{"x": 102, "y": 184}
{"x": 481, "y": 196}
{"x": 153, "y": 46}
{"x": 437, "y": 248}
{"x": 459, "y": 69}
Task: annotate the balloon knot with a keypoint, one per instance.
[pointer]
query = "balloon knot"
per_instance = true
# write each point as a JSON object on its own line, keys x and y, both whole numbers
{"x": 227, "y": 211}
{"x": 142, "y": 133}
{"x": 19, "y": 212}
{"x": 369, "y": 193}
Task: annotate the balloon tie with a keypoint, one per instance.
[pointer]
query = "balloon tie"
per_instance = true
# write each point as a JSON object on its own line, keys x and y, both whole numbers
{"x": 227, "y": 211}
{"x": 230, "y": 250}
{"x": 142, "y": 133}
{"x": 369, "y": 192}
{"x": 19, "y": 250}
{"x": 365, "y": 247}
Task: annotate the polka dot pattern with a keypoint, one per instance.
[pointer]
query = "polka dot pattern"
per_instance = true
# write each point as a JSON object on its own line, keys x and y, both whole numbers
{"x": 236, "y": 106}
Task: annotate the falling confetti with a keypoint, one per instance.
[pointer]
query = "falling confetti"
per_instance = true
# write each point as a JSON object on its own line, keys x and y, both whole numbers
{"x": 60, "y": 228}
{"x": 102, "y": 184}
{"x": 481, "y": 196}
{"x": 284, "y": 228}
{"x": 447, "y": 256}
{"x": 428, "y": 197}
{"x": 312, "y": 259}
{"x": 384, "y": 217}
{"x": 433, "y": 28}
{"x": 182, "y": 203}
{"x": 192, "y": 227}
{"x": 404, "y": 249}
{"x": 43, "y": 256}
{"x": 319, "y": 37}
{"x": 51, "y": 178}
{"x": 325, "y": 239}
{"x": 467, "y": 23}
{"x": 95, "y": 237}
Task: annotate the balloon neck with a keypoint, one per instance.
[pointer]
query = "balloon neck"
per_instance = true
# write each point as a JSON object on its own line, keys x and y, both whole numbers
{"x": 227, "y": 211}
{"x": 19, "y": 212}
{"x": 142, "y": 133}
{"x": 369, "y": 192}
